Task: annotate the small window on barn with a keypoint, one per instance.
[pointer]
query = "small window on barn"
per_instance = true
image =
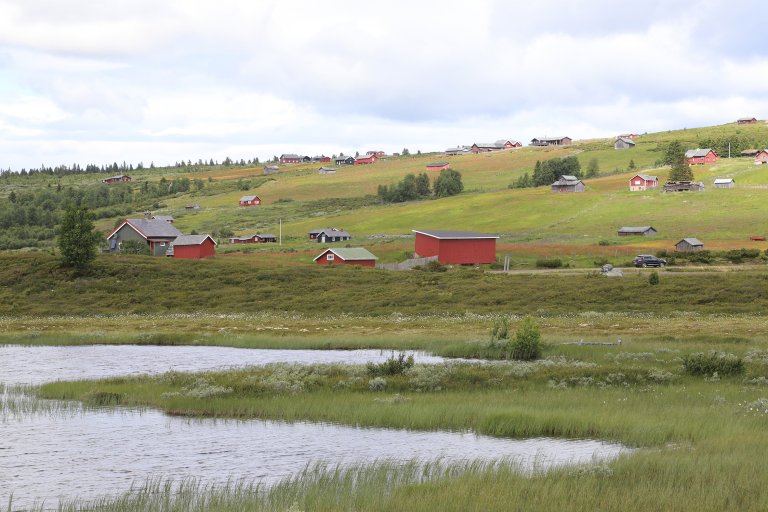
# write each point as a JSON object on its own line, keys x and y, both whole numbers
{"x": 329, "y": 256}
{"x": 162, "y": 244}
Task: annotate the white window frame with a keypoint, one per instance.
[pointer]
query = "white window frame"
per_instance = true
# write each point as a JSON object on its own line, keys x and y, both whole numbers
{"x": 329, "y": 256}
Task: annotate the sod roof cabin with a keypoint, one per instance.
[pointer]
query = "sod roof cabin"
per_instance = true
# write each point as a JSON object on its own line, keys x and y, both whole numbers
{"x": 192, "y": 247}
{"x": 456, "y": 247}
{"x": 356, "y": 256}
{"x": 157, "y": 234}
{"x": 637, "y": 231}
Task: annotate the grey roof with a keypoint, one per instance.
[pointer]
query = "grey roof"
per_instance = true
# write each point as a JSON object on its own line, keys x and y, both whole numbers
{"x": 271, "y": 167}
{"x": 747, "y": 119}
{"x": 692, "y": 241}
{"x": 456, "y": 150}
{"x": 290, "y": 155}
{"x": 248, "y": 198}
{"x": 691, "y": 153}
{"x": 548, "y": 139}
{"x": 648, "y": 177}
{"x": 166, "y": 218}
{"x": 486, "y": 145}
{"x": 501, "y": 142}
{"x": 327, "y": 169}
{"x": 192, "y": 240}
{"x": 116, "y": 177}
{"x": 636, "y": 229}
{"x": 437, "y": 164}
{"x": 626, "y": 140}
{"x": 332, "y": 232}
{"x": 153, "y": 228}
{"x": 720, "y": 181}
{"x": 350, "y": 254}
{"x": 452, "y": 235}
{"x": 567, "y": 180}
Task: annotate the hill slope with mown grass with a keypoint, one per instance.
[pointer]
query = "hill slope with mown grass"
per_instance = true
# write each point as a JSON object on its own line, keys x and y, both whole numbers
{"x": 531, "y": 222}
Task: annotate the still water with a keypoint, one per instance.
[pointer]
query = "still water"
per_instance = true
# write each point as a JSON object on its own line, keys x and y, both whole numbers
{"x": 89, "y": 453}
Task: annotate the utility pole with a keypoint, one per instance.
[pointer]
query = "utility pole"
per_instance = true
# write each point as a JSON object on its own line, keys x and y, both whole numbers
{"x": 281, "y": 232}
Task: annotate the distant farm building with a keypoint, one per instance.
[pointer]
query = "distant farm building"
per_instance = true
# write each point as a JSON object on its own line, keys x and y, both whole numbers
{"x": 166, "y": 218}
{"x": 356, "y": 256}
{"x": 761, "y": 157}
{"x": 689, "y": 244}
{"x": 194, "y": 206}
{"x": 326, "y": 170}
{"x": 345, "y": 160}
{"x": 250, "y": 201}
{"x": 568, "y": 183}
{"x": 321, "y": 159}
{"x": 367, "y": 159}
{"x": 749, "y": 152}
{"x": 641, "y": 182}
{"x": 725, "y": 183}
{"x": 683, "y": 186}
{"x": 192, "y": 247}
{"x": 271, "y": 169}
{"x": 551, "y": 141}
{"x": 329, "y": 235}
{"x": 456, "y": 151}
{"x": 377, "y": 154}
{"x": 637, "y": 231}
{"x": 456, "y": 247}
{"x": 438, "y": 166}
{"x": 747, "y": 120}
{"x": 701, "y": 156}
{"x": 157, "y": 234}
{"x": 623, "y": 143}
{"x": 120, "y": 178}
{"x": 290, "y": 158}
{"x": 629, "y": 136}
{"x": 253, "y": 239}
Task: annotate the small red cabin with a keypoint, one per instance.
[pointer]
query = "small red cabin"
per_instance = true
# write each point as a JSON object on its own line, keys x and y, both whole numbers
{"x": 368, "y": 159}
{"x": 290, "y": 159}
{"x": 193, "y": 246}
{"x": 456, "y": 247}
{"x": 438, "y": 166}
{"x": 250, "y": 201}
{"x": 643, "y": 182}
{"x": 348, "y": 256}
{"x": 761, "y": 157}
{"x": 701, "y": 156}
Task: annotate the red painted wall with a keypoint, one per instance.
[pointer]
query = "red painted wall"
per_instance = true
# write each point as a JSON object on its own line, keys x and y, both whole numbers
{"x": 204, "y": 250}
{"x": 709, "y": 158}
{"x": 322, "y": 260}
{"x": 457, "y": 252}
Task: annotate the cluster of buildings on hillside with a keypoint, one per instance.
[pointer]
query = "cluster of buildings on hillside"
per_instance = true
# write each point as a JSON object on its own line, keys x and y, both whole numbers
{"x": 502, "y": 144}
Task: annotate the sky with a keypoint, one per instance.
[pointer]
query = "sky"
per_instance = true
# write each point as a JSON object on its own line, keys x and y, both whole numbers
{"x": 160, "y": 81}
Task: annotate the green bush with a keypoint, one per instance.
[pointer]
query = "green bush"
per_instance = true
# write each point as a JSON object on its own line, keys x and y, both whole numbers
{"x": 721, "y": 363}
{"x": 134, "y": 247}
{"x": 549, "y": 263}
{"x": 653, "y": 279}
{"x": 527, "y": 344}
{"x": 500, "y": 329}
{"x": 392, "y": 366}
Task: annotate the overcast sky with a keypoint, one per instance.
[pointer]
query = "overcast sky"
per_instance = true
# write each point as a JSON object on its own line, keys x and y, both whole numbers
{"x": 164, "y": 80}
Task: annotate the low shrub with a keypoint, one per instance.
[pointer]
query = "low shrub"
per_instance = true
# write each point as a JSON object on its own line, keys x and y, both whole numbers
{"x": 549, "y": 263}
{"x": 721, "y": 363}
{"x": 527, "y": 344}
{"x": 653, "y": 279}
{"x": 392, "y": 366}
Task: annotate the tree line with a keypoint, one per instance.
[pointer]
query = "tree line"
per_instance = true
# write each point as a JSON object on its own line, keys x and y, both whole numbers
{"x": 413, "y": 187}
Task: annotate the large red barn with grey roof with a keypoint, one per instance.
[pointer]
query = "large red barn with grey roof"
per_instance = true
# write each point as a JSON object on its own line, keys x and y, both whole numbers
{"x": 456, "y": 247}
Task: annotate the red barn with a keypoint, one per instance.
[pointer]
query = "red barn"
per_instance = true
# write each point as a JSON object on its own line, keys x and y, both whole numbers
{"x": 456, "y": 247}
{"x": 250, "y": 201}
{"x": 701, "y": 156}
{"x": 761, "y": 157}
{"x": 643, "y": 182}
{"x": 290, "y": 159}
{"x": 348, "y": 256}
{"x": 438, "y": 166}
{"x": 368, "y": 159}
{"x": 747, "y": 120}
{"x": 193, "y": 246}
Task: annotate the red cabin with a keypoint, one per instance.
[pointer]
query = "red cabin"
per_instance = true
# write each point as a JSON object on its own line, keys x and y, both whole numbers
{"x": 761, "y": 157}
{"x": 290, "y": 159}
{"x": 456, "y": 247}
{"x": 193, "y": 246}
{"x": 701, "y": 156}
{"x": 347, "y": 256}
{"x": 438, "y": 166}
{"x": 368, "y": 159}
{"x": 643, "y": 182}
{"x": 250, "y": 201}
{"x": 122, "y": 178}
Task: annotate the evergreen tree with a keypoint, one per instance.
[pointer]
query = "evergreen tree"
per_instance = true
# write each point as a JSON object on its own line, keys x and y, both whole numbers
{"x": 405, "y": 152}
{"x": 632, "y": 165}
{"x": 77, "y": 238}
{"x": 674, "y": 156}
{"x": 593, "y": 168}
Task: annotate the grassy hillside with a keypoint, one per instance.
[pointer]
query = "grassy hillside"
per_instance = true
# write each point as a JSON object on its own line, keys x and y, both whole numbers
{"x": 531, "y": 222}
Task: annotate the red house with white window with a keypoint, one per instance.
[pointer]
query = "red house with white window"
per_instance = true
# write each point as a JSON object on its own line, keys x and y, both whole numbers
{"x": 356, "y": 256}
{"x": 701, "y": 156}
{"x": 290, "y": 159}
{"x": 643, "y": 182}
{"x": 368, "y": 159}
{"x": 250, "y": 201}
{"x": 193, "y": 247}
{"x": 456, "y": 247}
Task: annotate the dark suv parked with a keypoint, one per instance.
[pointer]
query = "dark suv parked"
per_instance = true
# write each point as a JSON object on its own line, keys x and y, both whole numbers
{"x": 647, "y": 260}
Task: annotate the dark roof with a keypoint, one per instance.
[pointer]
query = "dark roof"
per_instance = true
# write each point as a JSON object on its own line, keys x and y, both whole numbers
{"x": 350, "y": 254}
{"x": 166, "y": 218}
{"x": 192, "y": 240}
{"x": 332, "y": 232}
{"x": 151, "y": 228}
{"x": 290, "y": 155}
{"x": 117, "y": 177}
{"x": 636, "y": 229}
{"x": 453, "y": 235}
{"x": 437, "y": 164}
